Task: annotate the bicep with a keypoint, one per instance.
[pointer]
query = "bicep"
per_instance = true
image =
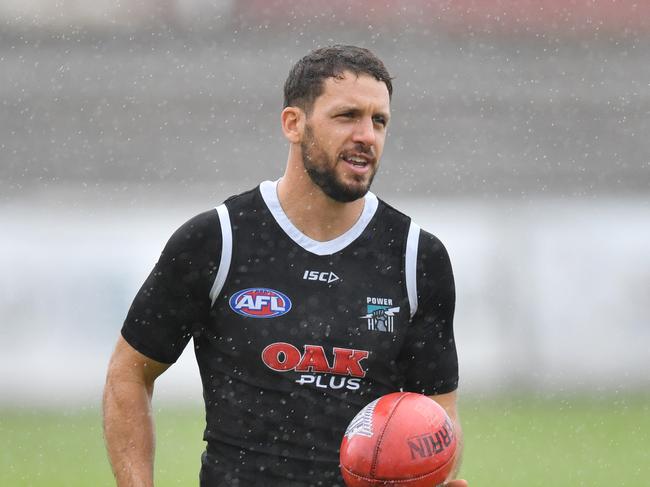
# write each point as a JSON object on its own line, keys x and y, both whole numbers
{"x": 129, "y": 365}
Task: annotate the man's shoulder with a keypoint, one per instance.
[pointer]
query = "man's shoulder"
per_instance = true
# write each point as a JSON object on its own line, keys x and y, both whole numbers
{"x": 427, "y": 240}
{"x": 243, "y": 199}
{"x": 206, "y": 226}
{"x": 207, "y": 222}
{"x": 389, "y": 211}
{"x": 197, "y": 232}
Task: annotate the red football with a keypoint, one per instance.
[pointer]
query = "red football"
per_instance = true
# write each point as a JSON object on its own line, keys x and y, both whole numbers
{"x": 403, "y": 439}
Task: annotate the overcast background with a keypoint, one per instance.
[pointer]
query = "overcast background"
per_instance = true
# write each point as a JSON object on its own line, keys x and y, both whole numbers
{"x": 520, "y": 136}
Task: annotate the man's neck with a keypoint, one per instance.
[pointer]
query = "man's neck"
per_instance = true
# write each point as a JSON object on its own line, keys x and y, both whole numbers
{"x": 313, "y": 212}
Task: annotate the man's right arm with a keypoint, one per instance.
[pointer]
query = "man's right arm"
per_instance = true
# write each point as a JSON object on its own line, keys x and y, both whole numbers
{"x": 172, "y": 305}
{"x": 128, "y": 420}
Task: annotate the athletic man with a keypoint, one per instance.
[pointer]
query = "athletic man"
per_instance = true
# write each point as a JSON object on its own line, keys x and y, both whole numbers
{"x": 306, "y": 299}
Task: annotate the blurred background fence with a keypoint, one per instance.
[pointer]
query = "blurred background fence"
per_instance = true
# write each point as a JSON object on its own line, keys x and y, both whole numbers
{"x": 519, "y": 137}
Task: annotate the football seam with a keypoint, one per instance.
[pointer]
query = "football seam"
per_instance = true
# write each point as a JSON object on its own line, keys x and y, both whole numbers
{"x": 375, "y": 455}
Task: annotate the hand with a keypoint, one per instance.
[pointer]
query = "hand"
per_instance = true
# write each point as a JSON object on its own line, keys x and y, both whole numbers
{"x": 456, "y": 483}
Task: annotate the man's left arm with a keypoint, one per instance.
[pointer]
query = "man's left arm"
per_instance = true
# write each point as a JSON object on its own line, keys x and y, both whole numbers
{"x": 430, "y": 358}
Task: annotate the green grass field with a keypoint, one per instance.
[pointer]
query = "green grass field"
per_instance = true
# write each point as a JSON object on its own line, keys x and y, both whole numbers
{"x": 510, "y": 442}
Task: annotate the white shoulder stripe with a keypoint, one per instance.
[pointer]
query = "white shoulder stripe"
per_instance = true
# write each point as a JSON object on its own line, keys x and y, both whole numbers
{"x": 410, "y": 266}
{"x": 226, "y": 253}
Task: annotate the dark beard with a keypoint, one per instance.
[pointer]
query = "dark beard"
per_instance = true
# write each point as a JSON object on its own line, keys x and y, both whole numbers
{"x": 321, "y": 171}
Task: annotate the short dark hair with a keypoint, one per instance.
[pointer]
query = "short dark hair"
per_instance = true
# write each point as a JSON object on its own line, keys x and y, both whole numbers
{"x": 305, "y": 81}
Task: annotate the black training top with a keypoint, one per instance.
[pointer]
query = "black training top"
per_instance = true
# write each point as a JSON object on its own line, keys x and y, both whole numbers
{"x": 293, "y": 336}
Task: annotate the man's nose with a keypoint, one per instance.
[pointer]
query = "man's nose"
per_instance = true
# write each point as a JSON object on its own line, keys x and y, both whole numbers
{"x": 364, "y": 132}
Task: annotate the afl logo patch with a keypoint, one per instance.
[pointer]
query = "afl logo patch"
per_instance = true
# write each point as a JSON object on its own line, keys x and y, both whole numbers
{"x": 258, "y": 302}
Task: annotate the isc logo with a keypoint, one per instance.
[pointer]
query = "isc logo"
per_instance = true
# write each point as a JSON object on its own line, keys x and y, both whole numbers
{"x": 320, "y": 276}
{"x": 260, "y": 303}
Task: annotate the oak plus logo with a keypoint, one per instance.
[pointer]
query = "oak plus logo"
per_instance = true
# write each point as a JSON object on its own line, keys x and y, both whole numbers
{"x": 342, "y": 368}
{"x": 260, "y": 303}
{"x": 327, "y": 277}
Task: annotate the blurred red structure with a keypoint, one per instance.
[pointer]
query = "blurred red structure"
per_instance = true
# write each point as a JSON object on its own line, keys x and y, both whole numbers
{"x": 572, "y": 17}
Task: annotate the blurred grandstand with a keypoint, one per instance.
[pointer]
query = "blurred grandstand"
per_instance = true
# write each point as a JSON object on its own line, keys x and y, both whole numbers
{"x": 492, "y": 98}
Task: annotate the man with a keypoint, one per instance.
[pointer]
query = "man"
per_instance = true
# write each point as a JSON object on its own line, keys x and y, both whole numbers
{"x": 306, "y": 298}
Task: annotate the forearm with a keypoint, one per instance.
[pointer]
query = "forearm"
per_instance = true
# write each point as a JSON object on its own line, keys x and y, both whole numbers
{"x": 458, "y": 430}
{"x": 129, "y": 432}
{"x": 449, "y": 402}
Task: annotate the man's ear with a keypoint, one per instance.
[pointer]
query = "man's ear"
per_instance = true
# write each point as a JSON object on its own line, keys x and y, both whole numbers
{"x": 293, "y": 124}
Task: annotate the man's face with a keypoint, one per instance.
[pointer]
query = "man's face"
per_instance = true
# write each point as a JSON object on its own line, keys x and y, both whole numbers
{"x": 344, "y": 135}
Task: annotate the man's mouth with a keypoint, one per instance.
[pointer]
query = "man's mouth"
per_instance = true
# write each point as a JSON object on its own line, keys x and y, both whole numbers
{"x": 357, "y": 161}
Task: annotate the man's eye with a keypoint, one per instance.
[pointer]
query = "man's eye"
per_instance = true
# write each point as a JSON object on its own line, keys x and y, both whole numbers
{"x": 380, "y": 120}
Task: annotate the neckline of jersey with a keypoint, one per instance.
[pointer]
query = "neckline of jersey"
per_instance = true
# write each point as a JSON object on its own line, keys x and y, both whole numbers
{"x": 268, "y": 190}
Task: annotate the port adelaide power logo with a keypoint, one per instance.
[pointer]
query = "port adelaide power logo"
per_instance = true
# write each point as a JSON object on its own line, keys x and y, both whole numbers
{"x": 259, "y": 302}
{"x": 380, "y": 314}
